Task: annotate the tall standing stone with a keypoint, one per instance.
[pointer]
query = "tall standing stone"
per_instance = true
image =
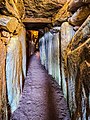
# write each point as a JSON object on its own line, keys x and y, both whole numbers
{"x": 14, "y": 72}
{"x": 67, "y": 33}
{"x": 3, "y": 100}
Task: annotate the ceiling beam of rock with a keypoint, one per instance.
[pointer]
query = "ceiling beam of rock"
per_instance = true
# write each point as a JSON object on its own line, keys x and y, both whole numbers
{"x": 36, "y": 20}
{"x": 36, "y": 23}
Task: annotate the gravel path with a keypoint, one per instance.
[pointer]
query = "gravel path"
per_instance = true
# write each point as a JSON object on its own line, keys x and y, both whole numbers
{"x": 42, "y": 99}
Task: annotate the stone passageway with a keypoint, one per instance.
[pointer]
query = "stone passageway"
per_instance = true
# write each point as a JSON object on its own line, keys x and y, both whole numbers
{"x": 42, "y": 98}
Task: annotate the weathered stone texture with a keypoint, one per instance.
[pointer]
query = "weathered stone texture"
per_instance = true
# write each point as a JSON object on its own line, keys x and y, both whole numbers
{"x": 62, "y": 15}
{"x": 42, "y": 8}
{"x": 85, "y": 79}
{"x": 77, "y": 62}
{"x": 5, "y": 37}
{"x": 80, "y": 15}
{"x": 13, "y": 71}
{"x": 3, "y": 100}
{"x": 55, "y": 58}
{"x": 77, "y": 82}
{"x": 49, "y": 53}
{"x": 12, "y": 35}
{"x": 77, "y": 55}
{"x": 16, "y": 67}
{"x": 22, "y": 39}
{"x": 8, "y": 23}
{"x": 80, "y": 36}
{"x": 75, "y": 4}
{"x": 12, "y": 8}
{"x": 67, "y": 32}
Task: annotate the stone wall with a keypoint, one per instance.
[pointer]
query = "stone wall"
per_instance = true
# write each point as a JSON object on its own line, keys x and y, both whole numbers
{"x": 3, "y": 100}
{"x": 49, "y": 54}
{"x": 12, "y": 55}
{"x": 74, "y": 55}
{"x": 64, "y": 52}
{"x": 14, "y": 43}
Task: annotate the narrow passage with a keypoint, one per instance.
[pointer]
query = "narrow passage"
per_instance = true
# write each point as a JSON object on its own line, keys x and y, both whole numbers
{"x": 42, "y": 98}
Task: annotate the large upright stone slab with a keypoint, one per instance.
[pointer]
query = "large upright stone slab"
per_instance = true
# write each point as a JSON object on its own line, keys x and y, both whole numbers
{"x": 14, "y": 72}
{"x": 3, "y": 99}
{"x": 50, "y": 56}
{"x": 67, "y": 33}
{"x": 85, "y": 71}
{"x": 42, "y": 50}
{"x": 22, "y": 39}
{"x": 78, "y": 84}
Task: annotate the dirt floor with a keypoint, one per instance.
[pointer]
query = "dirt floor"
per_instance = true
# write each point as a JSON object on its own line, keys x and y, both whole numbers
{"x": 42, "y": 98}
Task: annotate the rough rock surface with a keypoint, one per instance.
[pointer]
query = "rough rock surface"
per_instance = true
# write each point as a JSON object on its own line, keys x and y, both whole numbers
{"x": 22, "y": 39}
{"x": 12, "y": 8}
{"x": 42, "y": 8}
{"x": 80, "y": 36}
{"x": 77, "y": 60}
{"x": 3, "y": 100}
{"x": 80, "y": 15}
{"x": 15, "y": 67}
{"x": 75, "y": 4}
{"x": 49, "y": 54}
{"x": 78, "y": 66}
{"x": 14, "y": 72}
{"x": 62, "y": 15}
{"x": 67, "y": 32}
{"x": 12, "y": 36}
{"x": 8, "y": 23}
{"x": 42, "y": 98}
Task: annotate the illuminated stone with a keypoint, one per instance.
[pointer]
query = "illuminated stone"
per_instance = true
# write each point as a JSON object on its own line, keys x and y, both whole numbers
{"x": 3, "y": 99}
{"x": 8, "y": 23}
{"x": 80, "y": 15}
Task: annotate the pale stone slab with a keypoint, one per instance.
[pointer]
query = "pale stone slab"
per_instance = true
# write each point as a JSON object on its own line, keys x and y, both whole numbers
{"x": 14, "y": 72}
{"x": 67, "y": 32}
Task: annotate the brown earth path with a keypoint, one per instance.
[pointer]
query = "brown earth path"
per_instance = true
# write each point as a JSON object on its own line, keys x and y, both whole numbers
{"x": 42, "y": 98}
